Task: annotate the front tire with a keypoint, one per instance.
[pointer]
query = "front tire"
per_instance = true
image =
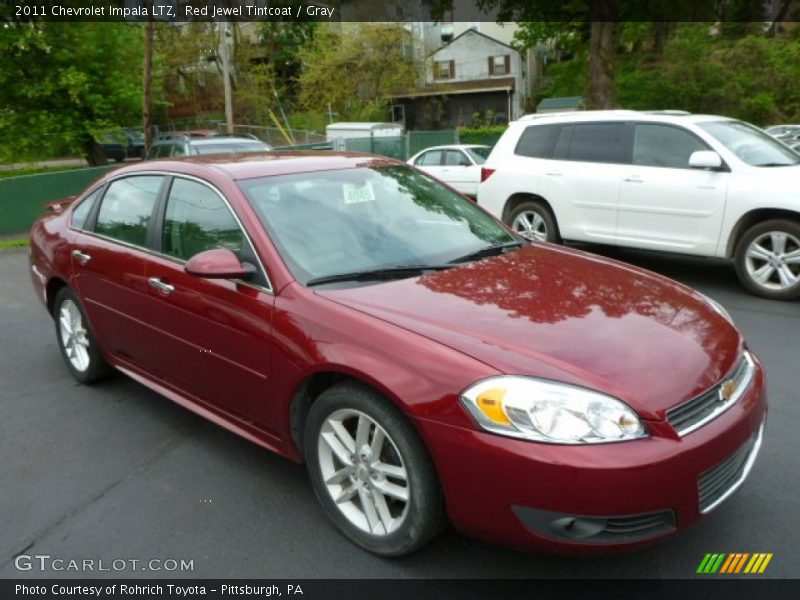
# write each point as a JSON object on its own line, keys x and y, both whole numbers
{"x": 76, "y": 342}
{"x": 768, "y": 259}
{"x": 533, "y": 220}
{"x": 371, "y": 472}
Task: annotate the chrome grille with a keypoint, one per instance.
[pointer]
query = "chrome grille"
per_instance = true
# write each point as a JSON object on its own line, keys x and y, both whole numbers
{"x": 719, "y": 482}
{"x": 701, "y": 409}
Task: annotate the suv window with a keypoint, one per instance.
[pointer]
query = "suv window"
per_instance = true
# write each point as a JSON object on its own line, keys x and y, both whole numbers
{"x": 82, "y": 210}
{"x": 664, "y": 146}
{"x": 537, "y": 141}
{"x": 430, "y": 159}
{"x": 127, "y": 208}
{"x": 197, "y": 219}
{"x": 599, "y": 142}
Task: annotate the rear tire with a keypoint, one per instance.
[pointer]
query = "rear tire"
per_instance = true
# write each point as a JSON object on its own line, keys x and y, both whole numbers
{"x": 768, "y": 259}
{"x": 371, "y": 472}
{"x": 83, "y": 358}
{"x": 533, "y": 220}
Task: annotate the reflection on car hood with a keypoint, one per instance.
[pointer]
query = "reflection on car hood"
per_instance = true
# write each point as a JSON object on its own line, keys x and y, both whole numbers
{"x": 569, "y": 316}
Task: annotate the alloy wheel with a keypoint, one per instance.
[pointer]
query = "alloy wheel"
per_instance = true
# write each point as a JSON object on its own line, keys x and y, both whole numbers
{"x": 73, "y": 335}
{"x": 530, "y": 224}
{"x": 363, "y": 472}
{"x": 772, "y": 260}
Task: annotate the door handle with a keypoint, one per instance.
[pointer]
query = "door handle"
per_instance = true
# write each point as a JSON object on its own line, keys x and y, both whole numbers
{"x": 161, "y": 286}
{"x": 633, "y": 179}
{"x": 554, "y": 173}
{"x": 81, "y": 257}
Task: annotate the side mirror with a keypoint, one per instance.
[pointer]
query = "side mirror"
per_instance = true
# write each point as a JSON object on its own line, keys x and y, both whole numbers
{"x": 219, "y": 263}
{"x": 705, "y": 159}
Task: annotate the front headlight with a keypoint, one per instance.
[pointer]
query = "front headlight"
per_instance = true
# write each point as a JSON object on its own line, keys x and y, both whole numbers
{"x": 546, "y": 411}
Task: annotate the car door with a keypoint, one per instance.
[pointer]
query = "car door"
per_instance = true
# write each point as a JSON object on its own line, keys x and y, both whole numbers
{"x": 664, "y": 204}
{"x": 109, "y": 259}
{"x": 460, "y": 172}
{"x": 431, "y": 162}
{"x": 215, "y": 334}
{"x": 582, "y": 179}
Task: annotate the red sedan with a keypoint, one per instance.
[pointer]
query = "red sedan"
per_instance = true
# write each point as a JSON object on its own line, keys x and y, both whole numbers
{"x": 349, "y": 312}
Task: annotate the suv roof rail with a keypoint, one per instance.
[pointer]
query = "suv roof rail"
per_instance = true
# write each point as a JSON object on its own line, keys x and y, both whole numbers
{"x": 666, "y": 112}
{"x": 575, "y": 113}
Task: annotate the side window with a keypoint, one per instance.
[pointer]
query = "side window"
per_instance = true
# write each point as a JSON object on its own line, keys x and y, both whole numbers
{"x": 537, "y": 141}
{"x": 197, "y": 219}
{"x": 127, "y": 208}
{"x": 83, "y": 209}
{"x": 177, "y": 150}
{"x": 456, "y": 158}
{"x": 561, "y": 150}
{"x": 664, "y": 146}
{"x": 599, "y": 142}
{"x": 430, "y": 159}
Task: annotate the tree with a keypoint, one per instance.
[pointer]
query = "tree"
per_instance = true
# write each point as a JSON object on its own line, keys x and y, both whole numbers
{"x": 356, "y": 73}
{"x": 64, "y": 84}
{"x": 603, "y": 18}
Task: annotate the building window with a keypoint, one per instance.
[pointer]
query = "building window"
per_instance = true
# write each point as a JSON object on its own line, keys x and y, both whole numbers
{"x": 444, "y": 69}
{"x": 500, "y": 65}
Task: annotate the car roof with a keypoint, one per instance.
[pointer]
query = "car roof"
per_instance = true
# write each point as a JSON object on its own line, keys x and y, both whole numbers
{"x": 454, "y": 147}
{"x": 217, "y": 140}
{"x": 262, "y": 164}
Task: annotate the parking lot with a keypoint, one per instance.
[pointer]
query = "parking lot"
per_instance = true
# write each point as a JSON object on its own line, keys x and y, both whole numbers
{"x": 115, "y": 471}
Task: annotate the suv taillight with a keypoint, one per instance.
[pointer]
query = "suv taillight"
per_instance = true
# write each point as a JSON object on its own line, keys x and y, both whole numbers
{"x": 486, "y": 173}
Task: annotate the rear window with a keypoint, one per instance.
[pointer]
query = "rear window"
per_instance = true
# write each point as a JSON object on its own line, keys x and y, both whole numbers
{"x": 537, "y": 141}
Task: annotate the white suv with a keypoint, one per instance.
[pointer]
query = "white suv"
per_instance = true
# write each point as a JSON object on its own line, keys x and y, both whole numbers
{"x": 669, "y": 181}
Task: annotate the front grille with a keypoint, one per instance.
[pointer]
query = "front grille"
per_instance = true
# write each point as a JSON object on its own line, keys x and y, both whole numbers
{"x": 693, "y": 414}
{"x": 716, "y": 484}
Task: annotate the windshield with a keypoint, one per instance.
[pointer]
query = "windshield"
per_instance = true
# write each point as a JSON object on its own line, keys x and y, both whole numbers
{"x": 479, "y": 154}
{"x": 751, "y": 145}
{"x": 223, "y": 148}
{"x": 343, "y": 221}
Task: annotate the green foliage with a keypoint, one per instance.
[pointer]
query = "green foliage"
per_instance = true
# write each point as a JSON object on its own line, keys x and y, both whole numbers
{"x": 355, "y": 72}
{"x": 487, "y": 135}
{"x": 752, "y": 78}
{"x": 61, "y": 84}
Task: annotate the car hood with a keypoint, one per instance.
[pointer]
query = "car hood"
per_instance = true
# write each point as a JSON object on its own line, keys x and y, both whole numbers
{"x": 569, "y": 316}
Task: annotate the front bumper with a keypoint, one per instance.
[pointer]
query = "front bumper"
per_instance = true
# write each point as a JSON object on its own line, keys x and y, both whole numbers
{"x": 553, "y": 497}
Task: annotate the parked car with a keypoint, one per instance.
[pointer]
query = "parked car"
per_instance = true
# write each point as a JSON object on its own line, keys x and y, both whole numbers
{"x": 779, "y": 131}
{"x": 123, "y": 143}
{"x": 458, "y": 165}
{"x": 188, "y": 146}
{"x": 352, "y": 313}
{"x": 692, "y": 184}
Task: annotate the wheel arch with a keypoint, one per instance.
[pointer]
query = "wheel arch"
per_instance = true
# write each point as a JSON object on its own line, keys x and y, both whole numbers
{"x": 53, "y": 286}
{"x": 314, "y": 384}
{"x": 752, "y": 218}
{"x": 514, "y": 200}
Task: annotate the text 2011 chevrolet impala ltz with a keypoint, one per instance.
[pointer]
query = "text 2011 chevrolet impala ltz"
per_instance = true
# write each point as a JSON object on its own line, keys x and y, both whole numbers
{"x": 426, "y": 364}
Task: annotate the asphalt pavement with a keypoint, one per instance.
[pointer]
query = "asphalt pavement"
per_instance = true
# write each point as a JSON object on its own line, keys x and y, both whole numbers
{"x": 117, "y": 472}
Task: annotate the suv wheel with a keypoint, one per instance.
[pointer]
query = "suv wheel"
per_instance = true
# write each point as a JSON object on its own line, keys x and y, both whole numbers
{"x": 534, "y": 221}
{"x": 768, "y": 259}
{"x": 371, "y": 472}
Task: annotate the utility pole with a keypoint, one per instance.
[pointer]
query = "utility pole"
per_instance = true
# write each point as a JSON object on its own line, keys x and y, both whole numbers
{"x": 226, "y": 40}
{"x": 147, "y": 88}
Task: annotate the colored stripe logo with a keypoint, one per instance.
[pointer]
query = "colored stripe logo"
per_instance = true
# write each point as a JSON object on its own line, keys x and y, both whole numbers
{"x": 734, "y": 562}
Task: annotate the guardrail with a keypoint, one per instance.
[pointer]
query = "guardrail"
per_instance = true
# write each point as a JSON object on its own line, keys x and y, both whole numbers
{"x": 22, "y": 198}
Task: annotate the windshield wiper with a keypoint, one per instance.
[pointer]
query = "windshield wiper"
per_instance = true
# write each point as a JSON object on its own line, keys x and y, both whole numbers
{"x": 776, "y": 164}
{"x": 384, "y": 273}
{"x": 489, "y": 251}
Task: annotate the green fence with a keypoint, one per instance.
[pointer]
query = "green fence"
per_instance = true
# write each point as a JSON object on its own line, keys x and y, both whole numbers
{"x": 22, "y": 198}
{"x": 419, "y": 140}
